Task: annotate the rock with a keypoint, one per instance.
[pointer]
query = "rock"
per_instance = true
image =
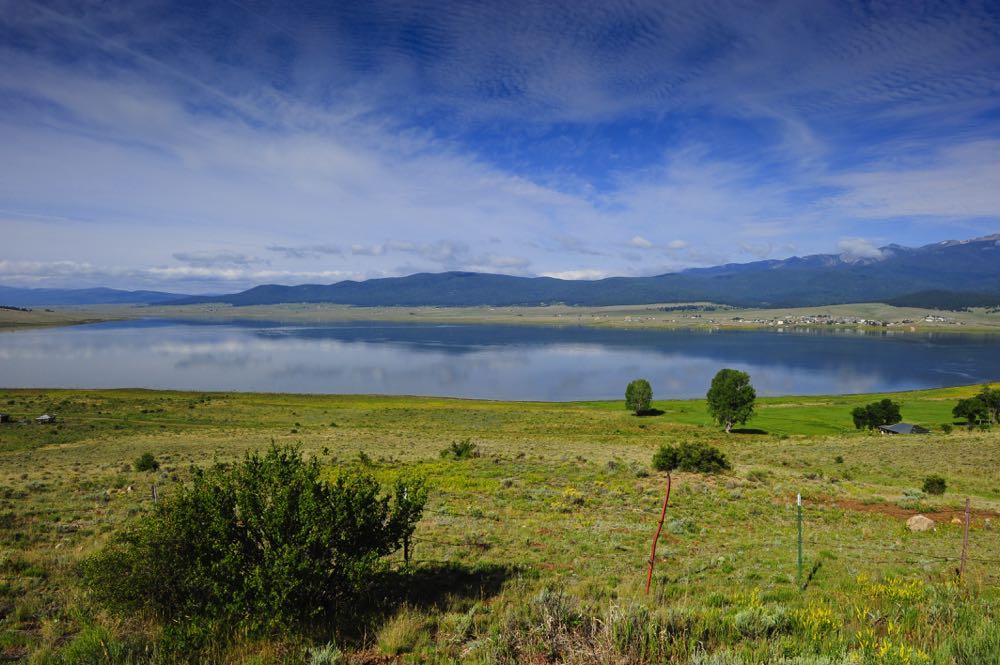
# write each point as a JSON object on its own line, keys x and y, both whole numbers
{"x": 919, "y": 523}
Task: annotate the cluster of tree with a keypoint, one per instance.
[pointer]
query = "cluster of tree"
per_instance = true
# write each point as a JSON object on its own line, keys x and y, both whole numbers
{"x": 956, "y": 301}
{"x": 15, "y": 309}
{"x": 261, "y": 546}
{"x": 730, "y": 398}
{"x": 981, "y": 409}
{"x": 884, "y": 412}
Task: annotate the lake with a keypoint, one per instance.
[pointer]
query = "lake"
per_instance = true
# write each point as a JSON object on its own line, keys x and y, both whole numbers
{"x": 482, "y": 361}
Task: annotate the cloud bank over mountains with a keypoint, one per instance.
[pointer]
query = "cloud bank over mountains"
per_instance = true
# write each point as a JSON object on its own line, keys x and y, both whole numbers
{"x": 212, "y": 147}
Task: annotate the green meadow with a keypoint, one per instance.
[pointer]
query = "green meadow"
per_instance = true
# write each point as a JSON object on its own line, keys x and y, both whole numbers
{"x": 536, "y": 548}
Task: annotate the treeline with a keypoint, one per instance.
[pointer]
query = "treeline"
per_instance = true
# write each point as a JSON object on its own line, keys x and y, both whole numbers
{"x": 15, "y": 309}
{"x": 949, "y": 300}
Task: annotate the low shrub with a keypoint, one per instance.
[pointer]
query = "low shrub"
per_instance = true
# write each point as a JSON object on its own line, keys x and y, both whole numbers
{"x": 328, "y": 654}
{"x": 146, "y": 462}
{"x": 690, "y": 456}
{"x": 260, "y": 546}
{"x": 404, "y": 633}
{"x": 463, "y": 449}
{"x": 756, "y": 622}
{"x": 934, "y": 484}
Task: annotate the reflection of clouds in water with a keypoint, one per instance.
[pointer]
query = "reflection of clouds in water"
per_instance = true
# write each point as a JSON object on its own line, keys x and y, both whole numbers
{"x": 457, "y": 377}
{"x": 229, "y": 361}
{"x": 482, "y": 361}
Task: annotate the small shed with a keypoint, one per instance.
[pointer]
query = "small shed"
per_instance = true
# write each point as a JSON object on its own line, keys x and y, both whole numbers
{"x": 45, "y": 419}
{"x": 902, "y": 428}
{"x": 4, "y": 418}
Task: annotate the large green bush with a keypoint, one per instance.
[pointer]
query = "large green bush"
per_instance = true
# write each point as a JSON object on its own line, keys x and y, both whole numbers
{"x": 690, "y": 456}
{"x": 261, "y": 546}
{"x": 935, "y": 484}
{"x": 146, "y": 462}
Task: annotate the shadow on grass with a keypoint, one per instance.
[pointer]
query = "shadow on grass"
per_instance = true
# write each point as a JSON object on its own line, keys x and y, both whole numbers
{"x": 429, "y": 586}
{"x": 650, "y": 412}
{"x": 747, "y": 430}
{"x": 435, "y": 585}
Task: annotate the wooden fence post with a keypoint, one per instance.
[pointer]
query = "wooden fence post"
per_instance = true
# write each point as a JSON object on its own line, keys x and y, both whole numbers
{"x": 965, "y": 540}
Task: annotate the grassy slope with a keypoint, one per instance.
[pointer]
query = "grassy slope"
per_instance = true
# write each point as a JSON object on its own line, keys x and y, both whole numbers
{"x": 14, "y": 319}
{"x": 561, "y": 495}
{"x": 618, "y": 316}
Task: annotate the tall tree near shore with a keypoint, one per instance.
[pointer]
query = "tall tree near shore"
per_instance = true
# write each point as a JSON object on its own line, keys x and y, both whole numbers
{"x": 638, "y": 396}
{"x": 731, "y": 398}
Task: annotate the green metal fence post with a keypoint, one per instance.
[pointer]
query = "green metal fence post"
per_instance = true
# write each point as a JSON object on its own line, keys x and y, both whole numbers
{"x": 798, "y": 502}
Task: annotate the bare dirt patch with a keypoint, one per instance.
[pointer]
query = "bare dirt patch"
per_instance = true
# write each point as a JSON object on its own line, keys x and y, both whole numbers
{"x": 899, "y": 512}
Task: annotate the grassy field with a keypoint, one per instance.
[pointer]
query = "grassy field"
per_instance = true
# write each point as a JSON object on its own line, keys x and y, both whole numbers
{"x": 537, "y": 549}
{"x": 619, "y": 316}
{"x": 16, "y": 319}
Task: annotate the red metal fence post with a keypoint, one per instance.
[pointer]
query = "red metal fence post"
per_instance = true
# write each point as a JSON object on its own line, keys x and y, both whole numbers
{"x": 663, "y": 514}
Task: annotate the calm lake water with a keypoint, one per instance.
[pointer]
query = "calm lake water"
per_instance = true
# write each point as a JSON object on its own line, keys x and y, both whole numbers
{"x": 481, "y": 361}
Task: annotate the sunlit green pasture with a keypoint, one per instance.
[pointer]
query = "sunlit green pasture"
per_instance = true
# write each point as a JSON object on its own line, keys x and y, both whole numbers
{"x": 549, "y": 527}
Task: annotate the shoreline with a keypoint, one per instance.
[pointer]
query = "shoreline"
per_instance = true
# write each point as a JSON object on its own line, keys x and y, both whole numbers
{"x": 938, "y": 393}
{"x": 861, "y": 317}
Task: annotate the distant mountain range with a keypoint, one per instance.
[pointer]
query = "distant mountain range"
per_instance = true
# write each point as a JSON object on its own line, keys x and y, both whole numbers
{"x": 963, "y": 267}
{"x": 14, "y": 297}
{"x": 941, "y": 275}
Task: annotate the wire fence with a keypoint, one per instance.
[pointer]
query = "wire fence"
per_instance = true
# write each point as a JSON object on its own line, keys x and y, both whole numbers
{"x": 820, "y": 549}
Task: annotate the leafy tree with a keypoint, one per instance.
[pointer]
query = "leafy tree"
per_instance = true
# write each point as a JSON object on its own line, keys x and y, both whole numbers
{"x": 731, "y": 398}
{"x": 690, "y": 456}
{"x": 638, "y": 396}
{"x": 991, "y": 398}
{"x": 258, "y": 547}
{"x": 973, "y": 410}
{"x": 883, "y": 412}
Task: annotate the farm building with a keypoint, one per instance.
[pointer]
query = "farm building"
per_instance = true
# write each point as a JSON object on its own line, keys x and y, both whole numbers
{"x": 45, "y": 419}
{"x": 902, "y": 428}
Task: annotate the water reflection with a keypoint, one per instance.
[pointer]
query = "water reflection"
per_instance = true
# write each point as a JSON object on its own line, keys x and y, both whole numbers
{"x": 498, "y": 362}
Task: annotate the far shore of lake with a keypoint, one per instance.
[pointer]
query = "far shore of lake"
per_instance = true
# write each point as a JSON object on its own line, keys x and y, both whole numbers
{"x": 869, "y": 317}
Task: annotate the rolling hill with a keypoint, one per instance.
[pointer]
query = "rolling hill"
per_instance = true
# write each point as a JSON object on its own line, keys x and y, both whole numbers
{"x": 16, "y": 297}
{"x": 967, "y": 266}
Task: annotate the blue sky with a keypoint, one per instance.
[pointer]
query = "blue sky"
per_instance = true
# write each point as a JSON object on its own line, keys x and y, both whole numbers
{"x": 210, "y": 146}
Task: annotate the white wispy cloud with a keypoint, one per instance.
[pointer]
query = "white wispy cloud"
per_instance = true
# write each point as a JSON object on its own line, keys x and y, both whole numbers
{"x": 582, "y": 273}
{"x": 220, "y": 258}
{"x": 859, "y": 248}
{"x": 306, "y": 251}
{"x": 219, "y": 162}
{"x": 41, "y": 273}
